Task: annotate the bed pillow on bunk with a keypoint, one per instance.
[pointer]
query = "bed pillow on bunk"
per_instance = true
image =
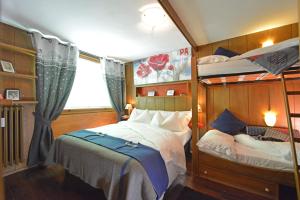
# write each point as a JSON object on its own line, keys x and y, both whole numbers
{"x": 225, "y": 52}
{"x": 228, "y": 123}
{"x": 212, "y": 59}
{"x": 255, "y": 130}
{"x": 275, "y": 134}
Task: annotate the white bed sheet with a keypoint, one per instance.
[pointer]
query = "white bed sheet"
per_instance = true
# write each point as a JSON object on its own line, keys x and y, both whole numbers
{"x": 184, "y": 136}
{"x": 166, "y": 142}
{"x": 241, "y": 153}
{"x": 241, "y": 64}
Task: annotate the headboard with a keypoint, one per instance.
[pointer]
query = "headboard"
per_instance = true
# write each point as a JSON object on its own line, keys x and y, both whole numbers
{"x": 167, "y": 103}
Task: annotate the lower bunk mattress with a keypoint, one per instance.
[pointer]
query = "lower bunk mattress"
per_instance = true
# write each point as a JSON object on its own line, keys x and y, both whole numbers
{"x": 246, "y": 150}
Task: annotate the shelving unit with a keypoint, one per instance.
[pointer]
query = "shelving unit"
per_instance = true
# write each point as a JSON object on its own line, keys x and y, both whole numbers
{"x": 19, "y": 52}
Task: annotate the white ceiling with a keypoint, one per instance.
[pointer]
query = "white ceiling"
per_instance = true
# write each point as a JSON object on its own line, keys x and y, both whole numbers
{"x": 113, "y": 28}
{"x": 101, "y": 27}
{"x": 214, "y": 20}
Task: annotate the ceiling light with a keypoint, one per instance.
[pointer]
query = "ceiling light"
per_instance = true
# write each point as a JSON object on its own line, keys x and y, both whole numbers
{"x": 267, "y": 43}
{"x": 154, "y": 16}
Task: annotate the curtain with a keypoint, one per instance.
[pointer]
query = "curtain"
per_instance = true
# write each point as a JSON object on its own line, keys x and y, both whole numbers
{"x": 115, "y": 79}
{"x": 55, "y": 68}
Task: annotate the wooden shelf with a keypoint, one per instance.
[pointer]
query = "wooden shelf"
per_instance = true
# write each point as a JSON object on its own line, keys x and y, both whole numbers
{"x": 29, "y": 52}
{"x": 6, "y": 102}
{"x": 165, "y": 83}
{"x": 14, "y": 75}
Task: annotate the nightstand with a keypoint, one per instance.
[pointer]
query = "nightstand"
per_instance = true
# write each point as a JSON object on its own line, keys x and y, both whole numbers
{"x": 124, "y": 117}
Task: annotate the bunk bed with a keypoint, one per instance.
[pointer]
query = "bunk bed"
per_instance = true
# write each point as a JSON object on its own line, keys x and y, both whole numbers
{"x": 265, "y": 181}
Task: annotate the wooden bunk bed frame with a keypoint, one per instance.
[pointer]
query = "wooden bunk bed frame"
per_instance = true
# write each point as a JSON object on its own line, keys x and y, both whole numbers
{"x": 260, "y": 181}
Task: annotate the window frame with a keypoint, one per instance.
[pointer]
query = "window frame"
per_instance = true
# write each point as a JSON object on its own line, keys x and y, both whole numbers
{"x": 87, "y": 110}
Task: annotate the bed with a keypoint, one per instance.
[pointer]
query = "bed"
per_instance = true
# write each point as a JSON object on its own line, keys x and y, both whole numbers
{"x": 245, "y": 167}
{"x": 120, "y": 176}
{"x": 241, "y": 68}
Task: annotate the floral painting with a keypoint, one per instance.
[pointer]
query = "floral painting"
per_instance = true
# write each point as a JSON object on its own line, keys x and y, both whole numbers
{"x": 174, "y": 66}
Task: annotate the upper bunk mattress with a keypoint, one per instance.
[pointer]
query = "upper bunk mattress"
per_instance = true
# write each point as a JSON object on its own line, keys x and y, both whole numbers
{"x": 243, "y": 64}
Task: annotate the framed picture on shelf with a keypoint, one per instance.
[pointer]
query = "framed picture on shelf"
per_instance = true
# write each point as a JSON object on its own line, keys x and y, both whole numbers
{"x": 7, "y": 66}
{"x": 151, "y": 93}
{"x": 170, "y": 92}
{"x": 12, "y": 94}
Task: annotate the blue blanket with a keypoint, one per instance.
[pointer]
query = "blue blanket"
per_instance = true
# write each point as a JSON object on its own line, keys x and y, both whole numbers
{"x": 149, "y": 158}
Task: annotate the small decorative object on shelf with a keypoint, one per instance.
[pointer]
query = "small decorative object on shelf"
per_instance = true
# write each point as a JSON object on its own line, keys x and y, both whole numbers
{"x": 151, "y": 93}
{"x": 1, "y": 96}
{"x": 170, "y": 92}
{"x": 12, "y": 94}
{"x": 125, "y": 117}
{"x": 7, "y": 66}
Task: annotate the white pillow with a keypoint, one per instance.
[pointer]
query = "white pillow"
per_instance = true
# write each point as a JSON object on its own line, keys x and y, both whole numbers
{"x": 144, "y": 117}
{"x": 174, "y": 122}
{"x": 157, "y": 119}
{"x": 133, "y": 115}
{"x": 212, "y": 59}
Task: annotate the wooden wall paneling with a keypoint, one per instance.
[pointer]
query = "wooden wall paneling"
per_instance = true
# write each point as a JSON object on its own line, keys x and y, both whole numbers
{"x": 169, "y": 103}
{"x": 151, "y": 103}
{"x": 72, "y": 122}
{"x": 130, "y": 88}
{"x": 258, "y": 103}
{"x": 238, "y": 44}
{"x": 22, "y": 39}
{"x": 290, "y": 85}
{"x": 295, "y": 29}
{"x": 21, "y": 63}
{"x": 181, "y": 103}
{"x": 216, "y": 45}
{"x": 255, "y": 40}
{"x": 277, "y": 103}
{"x": 281, "y": 33}
{"x": 204, "y": 50}
{"x": 239, "y": 102}
{"x": 210, "y": 106}
{"x": 159, "y": 103}
{"x": 221, "y": 99}
{"x": 202, "y": 116}
{"x": 7, "y": 35}
{"x": 1, "y": 179}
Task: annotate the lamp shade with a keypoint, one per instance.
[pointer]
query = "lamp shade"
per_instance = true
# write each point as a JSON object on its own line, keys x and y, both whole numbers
{"x": 270, "y": 118}
{"x": 128, "y": 106}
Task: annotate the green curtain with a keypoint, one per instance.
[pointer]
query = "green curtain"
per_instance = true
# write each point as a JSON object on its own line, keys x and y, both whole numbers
{"x": 115, "y": 79}
{"x": 55, "y": 67}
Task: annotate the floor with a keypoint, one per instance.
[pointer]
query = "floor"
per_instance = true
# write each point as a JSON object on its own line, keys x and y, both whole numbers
{"x": 50, "y": 183}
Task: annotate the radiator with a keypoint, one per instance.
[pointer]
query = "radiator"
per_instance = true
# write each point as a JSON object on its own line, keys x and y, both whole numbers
{"x": 11, "y": 135}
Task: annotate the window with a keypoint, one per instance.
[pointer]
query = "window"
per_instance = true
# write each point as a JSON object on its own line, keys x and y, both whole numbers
{"x": 89, "y": 89}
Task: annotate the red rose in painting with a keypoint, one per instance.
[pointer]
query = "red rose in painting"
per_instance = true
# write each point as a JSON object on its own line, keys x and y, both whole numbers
{"x": 171, "y": 67}
{"x": 158, "y": 62}
{"x": 143, "y": 70}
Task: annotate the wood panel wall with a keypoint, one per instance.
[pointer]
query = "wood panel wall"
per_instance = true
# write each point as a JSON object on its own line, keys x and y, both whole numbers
{"x": 249, "y": 102}
{"x": 25, "y": 65}
{"x": 252, "y": 41}
{"x": 68, "y": 122}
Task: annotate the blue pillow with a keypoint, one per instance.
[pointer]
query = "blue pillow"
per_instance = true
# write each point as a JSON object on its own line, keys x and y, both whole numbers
{"x": 225, "y": 52}
{"x": 228, "y": 123}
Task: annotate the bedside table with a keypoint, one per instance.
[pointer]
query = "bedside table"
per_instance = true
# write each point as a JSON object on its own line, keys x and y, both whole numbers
{"x": 124, "y": 117}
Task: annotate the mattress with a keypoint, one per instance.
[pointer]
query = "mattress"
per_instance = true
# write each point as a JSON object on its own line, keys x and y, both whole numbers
{"x": 225, "y": 147}
{"x": 240, "y": 64}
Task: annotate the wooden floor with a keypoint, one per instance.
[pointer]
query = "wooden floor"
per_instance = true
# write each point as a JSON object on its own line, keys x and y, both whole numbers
{"x": 50, "y": 183}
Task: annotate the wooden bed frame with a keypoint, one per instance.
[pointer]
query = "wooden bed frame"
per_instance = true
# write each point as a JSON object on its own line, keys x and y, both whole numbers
{"x": 257, "y": 180}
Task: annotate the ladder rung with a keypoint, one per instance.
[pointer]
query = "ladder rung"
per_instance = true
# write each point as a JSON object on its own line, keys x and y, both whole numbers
{"x": 293, "y": 93}
{"x": 291, "y": 72}
{"x": 295, "y": 115}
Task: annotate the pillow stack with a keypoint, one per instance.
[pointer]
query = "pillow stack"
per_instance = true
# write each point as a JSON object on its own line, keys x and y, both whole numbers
{"x": 174, "y": 121}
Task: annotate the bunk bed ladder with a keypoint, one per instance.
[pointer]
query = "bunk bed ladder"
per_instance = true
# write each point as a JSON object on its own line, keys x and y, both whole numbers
{"x": 290, "y": 115}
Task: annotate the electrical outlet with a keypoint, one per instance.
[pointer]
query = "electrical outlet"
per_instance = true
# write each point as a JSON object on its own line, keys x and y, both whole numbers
{"x": 2, "y": 122}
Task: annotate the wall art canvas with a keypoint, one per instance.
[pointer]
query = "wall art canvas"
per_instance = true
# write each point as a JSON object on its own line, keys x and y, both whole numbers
{"x": 174, "y": 66}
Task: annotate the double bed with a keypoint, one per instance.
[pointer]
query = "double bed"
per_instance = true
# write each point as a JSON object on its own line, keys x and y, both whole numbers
{"x": 118, "y": 174}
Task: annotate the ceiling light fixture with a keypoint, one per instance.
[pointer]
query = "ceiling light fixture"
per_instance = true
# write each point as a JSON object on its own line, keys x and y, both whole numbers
{"x": 153, "y": 16}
